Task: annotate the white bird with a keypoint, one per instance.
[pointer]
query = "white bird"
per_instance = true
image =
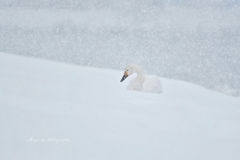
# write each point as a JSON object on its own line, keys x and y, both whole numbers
{"x": 144, "y": 83}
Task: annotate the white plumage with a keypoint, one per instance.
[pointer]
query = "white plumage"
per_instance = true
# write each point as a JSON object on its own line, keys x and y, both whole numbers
{"x": 144, "y": 83}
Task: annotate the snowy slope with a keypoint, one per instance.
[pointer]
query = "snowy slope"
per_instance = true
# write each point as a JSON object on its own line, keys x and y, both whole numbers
{"x": 50, "y": 110}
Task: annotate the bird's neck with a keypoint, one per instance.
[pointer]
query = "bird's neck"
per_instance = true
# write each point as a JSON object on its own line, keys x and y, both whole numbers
{"x": 140, "y": 76}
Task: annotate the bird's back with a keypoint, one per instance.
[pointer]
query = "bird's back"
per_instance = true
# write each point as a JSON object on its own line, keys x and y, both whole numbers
{"x": 152, "y": 84}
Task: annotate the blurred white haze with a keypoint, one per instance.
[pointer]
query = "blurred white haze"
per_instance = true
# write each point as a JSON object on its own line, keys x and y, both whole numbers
{"x": 192, "y": 40}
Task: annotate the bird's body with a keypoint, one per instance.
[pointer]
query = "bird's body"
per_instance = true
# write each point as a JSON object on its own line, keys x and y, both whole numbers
{"x": 142, "y": 82}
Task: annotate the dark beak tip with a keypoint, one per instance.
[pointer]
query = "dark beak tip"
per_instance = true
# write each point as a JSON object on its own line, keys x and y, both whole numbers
{"x": 123, "y": 78}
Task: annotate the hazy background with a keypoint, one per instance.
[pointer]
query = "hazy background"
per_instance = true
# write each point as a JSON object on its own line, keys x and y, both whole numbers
{"x": 191, "y": 40}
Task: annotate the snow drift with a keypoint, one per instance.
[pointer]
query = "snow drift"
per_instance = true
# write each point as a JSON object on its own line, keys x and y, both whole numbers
{"x": 50, "y": 110}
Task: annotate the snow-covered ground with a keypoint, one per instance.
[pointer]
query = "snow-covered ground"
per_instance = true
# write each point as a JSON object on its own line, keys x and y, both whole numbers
{"x": 50, "y": 110}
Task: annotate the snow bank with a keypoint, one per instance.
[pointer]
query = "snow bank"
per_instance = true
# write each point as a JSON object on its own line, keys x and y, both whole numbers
{"x": 50, "y": 110}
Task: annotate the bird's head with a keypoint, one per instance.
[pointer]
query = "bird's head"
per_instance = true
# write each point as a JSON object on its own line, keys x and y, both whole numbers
{"x": 129, "y": 70}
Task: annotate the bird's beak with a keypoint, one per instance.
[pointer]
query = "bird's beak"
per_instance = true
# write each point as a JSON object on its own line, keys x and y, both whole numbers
{"x": 124, "y": 76}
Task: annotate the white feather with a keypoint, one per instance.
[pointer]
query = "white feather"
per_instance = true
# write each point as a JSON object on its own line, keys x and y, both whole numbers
{"x": 142, "y": 82}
